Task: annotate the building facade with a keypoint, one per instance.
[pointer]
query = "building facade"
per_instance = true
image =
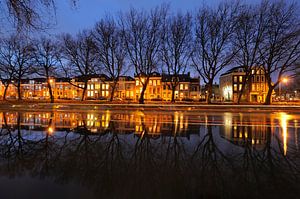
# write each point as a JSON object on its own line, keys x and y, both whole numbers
{"x": 231, "y": 85}
{"x": 159, "y": 87}
{"x": 99, "y": 87}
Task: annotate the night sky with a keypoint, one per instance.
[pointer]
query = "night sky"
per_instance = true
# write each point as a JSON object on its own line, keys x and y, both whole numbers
{"x": 88, "y": 12}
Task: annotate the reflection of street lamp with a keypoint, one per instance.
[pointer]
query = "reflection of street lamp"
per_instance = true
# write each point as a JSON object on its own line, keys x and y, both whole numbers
{"x": 50, "y": 130}
{"x": 285, "y": 81}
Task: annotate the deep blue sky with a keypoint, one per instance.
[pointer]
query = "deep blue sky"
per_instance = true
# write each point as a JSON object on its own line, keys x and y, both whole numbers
{"x": 88, "y": 12}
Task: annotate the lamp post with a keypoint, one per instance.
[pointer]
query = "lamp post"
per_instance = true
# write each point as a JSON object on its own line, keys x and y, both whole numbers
{"x": 285, "y": 81}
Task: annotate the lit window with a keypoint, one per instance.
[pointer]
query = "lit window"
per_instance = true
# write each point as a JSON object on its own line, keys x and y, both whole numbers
{"x": 150, "y": 82}
{"x": 137, "y": 82}
{"x": 253, "y": 87}
{"x": 158, "y": 82}
{"x": 186, "y": 87}
{"x": 103, "y": 86}
{"x": 107, "y": 86}
{"x": 88, "y": 87}
{"x": 181, "y": 86}
{"x": 92, "y": 86}
{"x": 235, "y": 79}
{"x": 241, "y": 78}
{"x": 154, "y": 82}
{"x": 235, "y": 87}
{"x": 240, "y": 87}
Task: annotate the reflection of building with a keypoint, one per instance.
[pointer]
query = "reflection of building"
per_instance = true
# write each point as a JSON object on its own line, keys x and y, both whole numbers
{"x": 245, "y": 130}
{"x": 136, "y": 122}
{"x": 231, "y": 84}
{"x": 164, "y": 124}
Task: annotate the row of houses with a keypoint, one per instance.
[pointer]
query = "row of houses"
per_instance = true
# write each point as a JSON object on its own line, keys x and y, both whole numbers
{"x": 99, "y": 87}
{"x": 158, "y": 88}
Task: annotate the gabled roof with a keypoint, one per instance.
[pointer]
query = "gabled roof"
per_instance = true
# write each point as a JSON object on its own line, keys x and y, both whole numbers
{"x": 83, "y": 77}
{"x": 126, "y": 78}
{"x": 153, "y": 74}
{"x": 181, "y": 77}
{"x": 234, "y": 70}
{"x": 62, "y": 79}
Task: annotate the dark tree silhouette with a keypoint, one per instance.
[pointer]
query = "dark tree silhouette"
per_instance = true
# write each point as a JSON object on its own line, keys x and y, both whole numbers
{"x": 141, "y": 31}
{"x": 110, "y": 50}
{"x": 213, "y": 49}
{"x": 80, "y": 53}
{"x": 47, "y": 59}
{"x": 176, "y": 47}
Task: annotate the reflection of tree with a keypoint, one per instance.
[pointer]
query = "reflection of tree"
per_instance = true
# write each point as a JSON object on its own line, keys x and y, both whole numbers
{"x": 128, "y": 165}
{"x": 214, "y": 165}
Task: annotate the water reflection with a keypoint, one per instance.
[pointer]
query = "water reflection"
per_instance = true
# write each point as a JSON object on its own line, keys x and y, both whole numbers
{"x": 157, "y": 154}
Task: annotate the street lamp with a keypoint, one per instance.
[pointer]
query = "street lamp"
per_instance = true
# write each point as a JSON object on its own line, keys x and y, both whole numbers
{"x": 285, "y": 81}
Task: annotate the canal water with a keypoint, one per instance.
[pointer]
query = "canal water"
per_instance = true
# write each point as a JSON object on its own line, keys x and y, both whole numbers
{"x": 149, "y": 154}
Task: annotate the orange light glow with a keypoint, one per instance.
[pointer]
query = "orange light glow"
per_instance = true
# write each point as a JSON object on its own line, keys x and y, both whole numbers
{"x": 285, "y": 80}
{"x": 50, "y": 130}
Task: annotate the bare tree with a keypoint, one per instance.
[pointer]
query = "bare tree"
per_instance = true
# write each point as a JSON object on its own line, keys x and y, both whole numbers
{"x": 248, "y": 37}
{"x": 80, "y": 53}
{"x": 280, "y": 50}
{"x": 30, "y": 14}
{"x": 6, "y": 69}
{"x": 111, "y": 50}
{"x": 142, "y": 32}
{"x": 176, "y": 47}
{"x": 47, "y": 59}
{"x": 16, "y": 57}
{"x": 213, "y": 42}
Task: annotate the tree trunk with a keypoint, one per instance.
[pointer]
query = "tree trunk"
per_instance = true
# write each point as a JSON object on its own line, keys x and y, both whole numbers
{"x": 268, "y": 100}
{"x": 242, "y": 91}
{"x": 19, "y": 91}
{"x": 209, "y": 93}
{"x": 5, "y": 91}
{"x": 112, "y": 93}
{"x": 50, "y": 92}
{"x": 84, "y": 90}
{"x": 173, "y": 94}
{"x": 141, "y": 99}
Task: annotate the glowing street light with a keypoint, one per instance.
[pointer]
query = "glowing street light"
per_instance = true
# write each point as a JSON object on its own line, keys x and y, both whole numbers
{"x": 284, "y": 80}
